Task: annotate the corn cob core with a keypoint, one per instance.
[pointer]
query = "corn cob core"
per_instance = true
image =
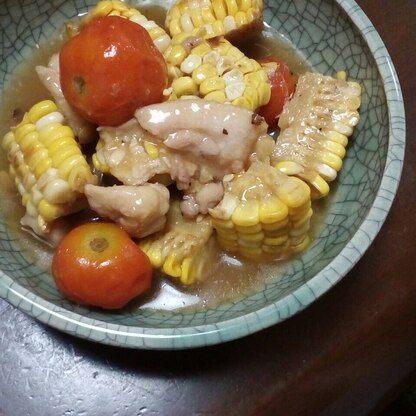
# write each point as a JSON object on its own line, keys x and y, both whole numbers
{"x": 47, "y": 165}
{"x": 315, "y": 126}
{"x": 263, "y": 213}
{"x": 214, "y": 17}
{"x": 177, "y": 250}
{"x": 118, "y": 8}
{"x": 216, "y": 70}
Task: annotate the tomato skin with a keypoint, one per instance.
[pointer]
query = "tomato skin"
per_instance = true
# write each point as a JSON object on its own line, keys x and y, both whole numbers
{"x": 110, "y": 69}
{"x": 283, "y": 85}
{"x": 98, "y": 264}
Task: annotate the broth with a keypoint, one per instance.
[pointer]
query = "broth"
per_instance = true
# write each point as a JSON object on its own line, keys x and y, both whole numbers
{"x": 227, "y": 277}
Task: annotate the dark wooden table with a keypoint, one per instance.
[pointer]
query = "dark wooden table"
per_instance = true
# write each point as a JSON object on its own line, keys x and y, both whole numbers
{"x": 350, "y": 353}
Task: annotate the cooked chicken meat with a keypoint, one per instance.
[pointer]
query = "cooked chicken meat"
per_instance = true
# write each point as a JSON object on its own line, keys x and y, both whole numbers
{"x": 49, "y": 76}
{"x": 196, "y": 142}
{"x": 140, "y": 210}
{"x": 206, "y": 140}
{"x": 199, "y": 201}
{"x": 123, "y": 151}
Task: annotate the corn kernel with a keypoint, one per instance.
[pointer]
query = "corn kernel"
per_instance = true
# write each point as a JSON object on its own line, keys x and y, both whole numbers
{"x": 289, "y": 167}
{"x": 272, "y": 210}
{"x": 245, "y": 5}
{"x": 246, "y": 214}
{"x": 184, "y": 86}
{"x": 215, "y": 83}
{"x": 294, "y": 192}
{"x": 242, "y": 102}
{"x": 65, "y": 168}
{"x": 187, "y": 276}
{"x": 241, "y": 19}
{"x": 218, "y": 28}
{"x": 207, "y": 15}
{"x": 232, "y": 7}
{"x": 276, "y": 241}
{"x": 103, "y": 8}
{"x": 151, "y": 149}
{"x": 176, "y": 54}
{"x": 40, "y": 110}
{"x": 230, "y": 24}
{"x": 320, "y": 187}
{"x": 205, "y": 71}
{"x": 22, "y": 130}
{"x": 330, "y": 159}
{"x": 50, "y": 212}
{"x": 171, "y": 266}
{"x": 219, "y": 9}
{"x": 190, "y": 63}
{"x": 201, "y": 49}
{"x": 251, "y": 238}
{"x": 196, "y": 18}
{"x": 218, "y": 96}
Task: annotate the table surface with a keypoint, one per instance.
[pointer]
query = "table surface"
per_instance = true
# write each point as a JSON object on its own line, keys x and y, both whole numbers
{"x": 348, "y": 354}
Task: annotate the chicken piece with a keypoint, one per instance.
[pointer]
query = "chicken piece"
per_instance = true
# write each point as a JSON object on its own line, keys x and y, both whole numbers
{"x": 200, "y": 200}
{"x": 126, "y": 152}
{"x": 140, "y": 210}
{"x": 212, "y": 139}
{"x": 49, "y": 76}
{"x": 195, "y": 142}
{"x": 191, "y": 140}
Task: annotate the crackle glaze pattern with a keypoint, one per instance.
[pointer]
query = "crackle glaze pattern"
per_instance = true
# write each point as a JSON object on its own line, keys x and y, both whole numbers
{"x": 332, "y": 35}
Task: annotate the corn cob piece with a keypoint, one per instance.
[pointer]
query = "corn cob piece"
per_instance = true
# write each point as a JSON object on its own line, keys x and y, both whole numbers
{"x": 215, "y": 17}
{"x": 177, "y": 250}
{"x": 264, "y": 213}
{"x": 118, "y": 8}
{"x": 216, "y": 70}
{"x": 315, "y": 126}
{"x": 47, "y": 165}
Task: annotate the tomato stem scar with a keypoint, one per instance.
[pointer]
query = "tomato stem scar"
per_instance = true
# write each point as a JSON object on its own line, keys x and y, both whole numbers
{"x": 99, "y": 244}
{"x": 79, "y": 84}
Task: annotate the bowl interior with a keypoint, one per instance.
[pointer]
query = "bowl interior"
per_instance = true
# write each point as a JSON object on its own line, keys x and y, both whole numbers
{"x": 327, "y": 36}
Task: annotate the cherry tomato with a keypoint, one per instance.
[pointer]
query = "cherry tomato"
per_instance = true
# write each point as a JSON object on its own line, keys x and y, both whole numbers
{"x": 98, "y": 264}
{"x": 283, "y": 84}
{"x": 110, "y": 69}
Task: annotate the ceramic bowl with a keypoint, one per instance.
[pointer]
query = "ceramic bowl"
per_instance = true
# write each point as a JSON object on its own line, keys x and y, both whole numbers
{"x": 331, "y": 35}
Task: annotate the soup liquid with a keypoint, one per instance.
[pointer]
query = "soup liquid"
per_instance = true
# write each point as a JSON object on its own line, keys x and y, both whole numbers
{"x": 226, "y": 277}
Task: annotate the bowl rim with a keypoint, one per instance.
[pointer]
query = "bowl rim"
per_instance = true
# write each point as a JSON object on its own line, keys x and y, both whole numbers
{"x": 230, "y": 329}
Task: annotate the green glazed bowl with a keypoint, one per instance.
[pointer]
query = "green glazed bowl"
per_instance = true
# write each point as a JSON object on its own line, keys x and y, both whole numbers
{"x": 332, "y": 35}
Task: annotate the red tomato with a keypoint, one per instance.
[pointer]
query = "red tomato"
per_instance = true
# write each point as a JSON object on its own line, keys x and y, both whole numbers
{"x": 283, "y": 84}
{"x": 110, "y": 69}
{"x": 98, "y": 264}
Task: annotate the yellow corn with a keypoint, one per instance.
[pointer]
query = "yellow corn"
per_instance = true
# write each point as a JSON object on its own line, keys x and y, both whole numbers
{"x": 47, "y": 165}
{"x": 118, "y": 8}
{"x": 98, "y": 158}
{"x": 315, "y": 125}
{"x": 216, "y": 70}
{"x": 213, "y": 17}
{"x": 177, "y": 250}
{"x": 263, "y": 213}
